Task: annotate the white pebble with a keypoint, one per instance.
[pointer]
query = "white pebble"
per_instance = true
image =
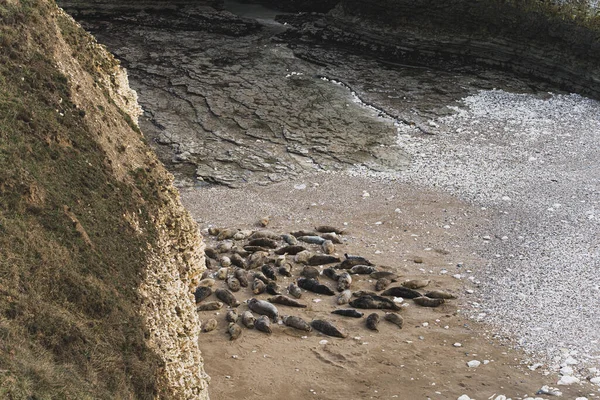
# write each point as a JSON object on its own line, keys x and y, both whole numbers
{"x": 486, "y": 362}
{"x": 566, "y": 371}
{"x": 464, "y": 397}
{"x": 568, "y": 380}
{"x": 500, "y": 397}
{"x": 301, "y": 186}
{"x": 595, "y": 380}
{"x": 570, "y": 361}
{"x": 316, "y": 300}
{"x": 323, "y": 341}
{"x": 425, "y": 324}
{"x": 457, "y": 344}
{"x": 474, "y": 364}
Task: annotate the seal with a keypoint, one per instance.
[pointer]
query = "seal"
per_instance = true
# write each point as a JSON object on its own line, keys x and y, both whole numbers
{"x": 303, "y": 256}
{"x": 285, "y": 269}
{"x": 331, "y": 274}
{"x": 332, "y": 236}
{"x": 224, "y": 247}
{"x": 201, "y": 293}
{"x": 362, "y": 270}
{"x": 248, "y": 319}
{"x": 401, "y": 291}
{"x": 210, "y": 325}
{"x": 263, "y": 242}
{"x": 242, "y": 235}
{"x": 207, "y": 282}
{"x": 384, "y": 274}
{"x": 258, "y": 286}
{"x": 328, "y": 247}
{"x": 329, "y": 229}
{"x": 234, "y": 331}
{"x": 222, "y": 273}
{"x": 286, "y": 301}
{"x": 292, "y": 250}
{"x": 269, "y": 271}
{"x": 310, "y": 272}
{"x": 297, "y": 323}
{"x": 348, "y": 263}
{"x": 209, "y": 306}
{"x": 261, "y": 276}
{"x": 227, "y": 233}
{"x": 427, "y": 302}
{"x": 327, "y": 328}
{"x": 241, "y": 276}
{"x": 314, "y": 286}
{"x": 264, "y": 221}
{"x": 264, "y": 234}
{"x": 234, "y": 284}
{"x": 416, "y": 283}
{"x": 263, "y": 324}
{"x": 214, "y": 231}
{"x": 373, "y": 321}
{"x": 227, "y": 297}
{"x": 273, "y": 288}
{"x": 289, "y": 239}
{"x": 238, "y": 260}
{"x": 321, "y": 259}
{"x": 294, "y": 290}
{"x": 207, "y": 274}
{"x": 382, "y": 283}
{"x": 311, "y": 239}
{"x": 344, "y": 297}
{"x": 297, "y": 234}
{"x": 438, "y": 294}
{"x": 231, "y": 316}
{"x": 372, "y": 303}
{"x": 254, "y": 249}
{"x": 361, "y": 293}
{"x": 359, "y": 259}
{"x": 263, "y": 308}
{"x": 225, "y": 261}
{"x": 349, "y": 312}
{"x": 394, "y": 319}
{"x": 211, "y": 253}
{"x": 344, "y": 282}
{"x": 257, "y": 259}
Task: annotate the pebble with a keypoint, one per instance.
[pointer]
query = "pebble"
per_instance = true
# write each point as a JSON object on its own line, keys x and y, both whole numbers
{"x": 595, "y": 380}
{"x": 474, "y": 364}
{"x": 457, "y": 344}
{"x": 570, "y": 361}
{"x": 323, "y": 341}
{"x": 500, "y": 397}
{"x": 464, "y": 397}
{"x": 566, "y": 371}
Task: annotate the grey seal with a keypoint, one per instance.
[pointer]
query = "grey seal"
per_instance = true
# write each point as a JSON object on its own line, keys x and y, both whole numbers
{"x": 263, "y": 308}
{"x": 327, "y": 328}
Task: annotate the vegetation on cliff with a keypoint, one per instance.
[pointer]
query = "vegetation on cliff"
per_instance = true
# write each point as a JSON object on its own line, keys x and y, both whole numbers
{"x": 79, "y": 195}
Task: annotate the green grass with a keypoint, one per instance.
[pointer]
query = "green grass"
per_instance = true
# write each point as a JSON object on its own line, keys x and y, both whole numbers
{"x": 69, "y": 326}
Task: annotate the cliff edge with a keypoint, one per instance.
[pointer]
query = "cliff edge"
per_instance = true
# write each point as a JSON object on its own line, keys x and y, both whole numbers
{"x": 97, "y": 254}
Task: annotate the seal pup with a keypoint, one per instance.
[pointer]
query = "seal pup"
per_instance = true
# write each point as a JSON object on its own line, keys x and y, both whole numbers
{"x": 224, "y": 247}
{"x": 234, "y": 331}
{"x": 209, "y": 306}
{"x": 361, "y": 293}
{"x": 344, "y": 297}
{"x": 349, "y": 312}
{"x": 242, "y": 235}
{"x": 233, "y": 283}
{"x": 373, "y": 321}
{"x": 273, "y": 288}
{"x": 333, "y": 237}
{"x": 261, "y": 276}
{"x": 258, "y": 286}
{"x": 401, "y": 291}
{"x": 303, "y": 256}
{"x": 238, "y": 260}
{"x": 321, "y": 259}
{"x": 369, "y": 302}
{"x": 201, "y": 293}
{"x": 291, "y": 250}
{"x": 344, "y": 282}
{"x": 285, "y": 269}
{"x": 416, "y": 283}
{"x": 207, "y": 282}
{"x": 394, "y": 319}
{"x": 427, "y": 302}
{"x": 263, "y": 308}
{"x": 227, "y": 233}
{"x": 329, "y": 229}
{"x": 310, "y": 272}
{"x": 296, "y": 322}
{"x": 211, "y": 253}
{"x": 294, "y": 290}
{"x": 256, "y": 249}
{"x": 257, "y": 259}
{"x": 311, "y": 239}
{"x": 348, "y": 263}
{"x": 328, "y": 247}
{"x": 231, "y": 316}
{"x": 227, "y": 297}
{"x": 384, "y": 274}
{"x": 360, "y": 259}
{"x": 297, "y": 234}
{"x": 314, "y": 286}
{"x": 382, "y": 283}
{"x": 438, "y": 294}
{"x": 263, "y": 324}
{"x": 362, "y": 270}
{"x": 264, "y": 234}
{"x": 225, "y": 261}
{"x": 327, "y": 328}
{"x": 210, "y": 325}
{"x": 214, "y": 231}
{"x": 248, "y": 319}
{"x": 222, "y": 273}
{"x": 286, "y": 301}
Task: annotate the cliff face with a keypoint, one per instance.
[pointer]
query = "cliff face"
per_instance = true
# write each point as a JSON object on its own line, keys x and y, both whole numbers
{"x": 97, "y": 256}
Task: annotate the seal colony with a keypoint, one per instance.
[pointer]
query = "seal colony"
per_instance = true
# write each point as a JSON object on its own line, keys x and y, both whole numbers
{"x": 260, "y": 270}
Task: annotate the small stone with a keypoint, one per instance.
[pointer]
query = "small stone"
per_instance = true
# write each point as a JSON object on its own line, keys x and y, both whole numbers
{"x": 595, "y": 380}
{"x": 505, "y": 198}
{"x": 500, "y": 397}
{"x": 535, "y": 366}
{"x": 581, "y": 398}
{"x": 301, "y": 186}
{"x": 566, "y": 371}
{"x": 323, "y": 341}
{"x": 366, "y": 194}
{"x": 425, "y": 324}
{"x": 474, "y": 364}
{"x": 570, "y": 361}
{"x": 487, "y": 237}
{"x": 457, "y": 344}
{"x": 567, "y": 380}
{"x": 464, "y": 397}
{"x": 418, "y": 260}
{"x": 486, "y": 362}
